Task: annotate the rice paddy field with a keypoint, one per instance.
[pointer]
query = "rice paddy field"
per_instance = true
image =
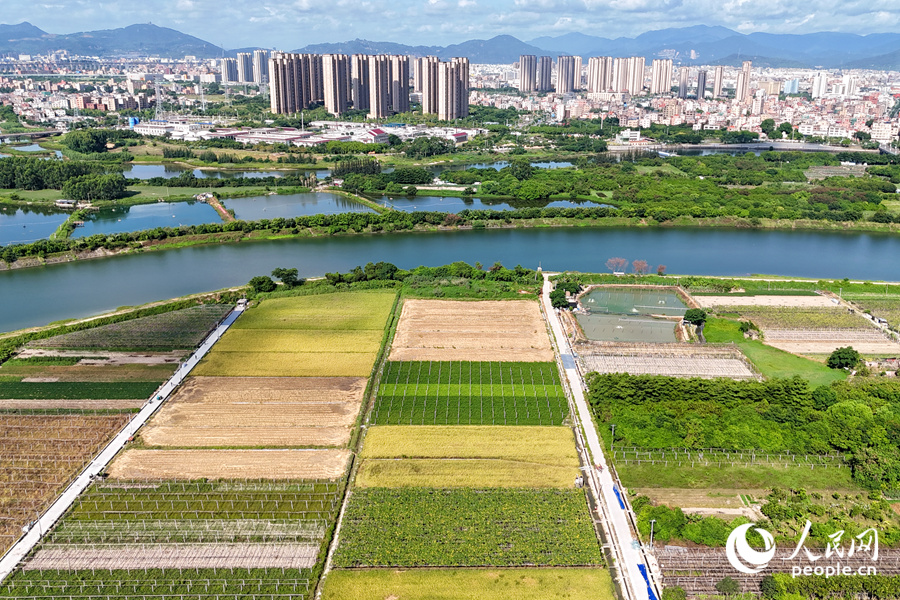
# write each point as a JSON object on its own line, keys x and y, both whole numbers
{"x": 468, "y": 456}
{"x": 336, "y": 335}
{"x": 469, "y": 393}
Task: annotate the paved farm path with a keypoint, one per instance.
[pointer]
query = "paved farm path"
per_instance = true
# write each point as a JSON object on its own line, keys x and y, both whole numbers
{"x": 33, "y": 536}
{"x": 615, "y": 512}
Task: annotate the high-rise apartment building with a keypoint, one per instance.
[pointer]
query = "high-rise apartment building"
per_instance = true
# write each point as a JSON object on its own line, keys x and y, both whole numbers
{"x": 791, "y": 86}
{"x": 379, "y": 85}
{"x": 628, "y": 75}
{"x": 701, "y": 85}
{"x": 565, "y": 74}
{"x": 229, "y": 70}
{"x": 600, "y": 74}
{"x": 683, "y": 81}
{"x": 336, "y": 78}
{"x": 527, "y": 73}
{"x": 742, "y": 93}
{"x": 261, "y": 66}
{"x": 292, "y": 82}
{"x": 430, "y": 84}
{"x": 453, "y": 89}
{"x": 661, "y": 76}
{"x": 245, "y": 67}
{"x": 819, "y": 86}
{"x": 359, "y": 81}
{"x": 399, "y": 78}
{"x": 579, "y": 64}
{"x": 717, "y": 81}
{"x": 545, "y": 70}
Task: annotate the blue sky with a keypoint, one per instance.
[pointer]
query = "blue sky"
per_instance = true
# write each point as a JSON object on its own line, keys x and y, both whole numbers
{"x": 288, "y": 24}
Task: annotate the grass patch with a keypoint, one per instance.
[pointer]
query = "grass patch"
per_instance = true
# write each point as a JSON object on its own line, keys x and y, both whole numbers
{"x": 736, "y": 477}
{"x": 771, "y": 362}
{"x": 469, "y": 393}
{"x": 467, "y": 527}
{"x": 66, "y": 390}
{"x": 469, "y": 584}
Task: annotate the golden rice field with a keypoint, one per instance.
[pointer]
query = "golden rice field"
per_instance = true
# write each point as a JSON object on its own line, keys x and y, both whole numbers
{"x": 286, "y": 364}
{"x": 346, "y": 311}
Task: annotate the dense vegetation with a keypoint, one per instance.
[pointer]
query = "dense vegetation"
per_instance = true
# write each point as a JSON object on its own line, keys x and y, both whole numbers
{"x": 861, "y": 420}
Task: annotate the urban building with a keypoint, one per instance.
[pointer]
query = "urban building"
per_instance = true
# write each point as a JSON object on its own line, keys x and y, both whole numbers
{"x": 527, "y": 73}
{"x": 791, "y": 86}
{"x": 600, "y": 72}
{"x": 565, "y": 74}
{"x": 717, "y": 81}
{"x": 579, "y": 64}
{"x": 742, "y": 91}
{"x": 683, "y": 81}
{"x": 359, "y": 81}
{"x": 430, "y": 84}
{"x": 336, "y": 78}
{"x": 545, "y": 70}
{"x": 399, "y": 78}
{"x": 701, "y": 84}
{"x": 229, "y": 70}
{"x": 819, "y": 86}
{"x": 661, "y": 76}
{"x": 261, "y": 66}
{"x": 245, "y": 67}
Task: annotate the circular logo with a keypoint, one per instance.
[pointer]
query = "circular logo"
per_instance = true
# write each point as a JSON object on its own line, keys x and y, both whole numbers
{"x": 744, "y": 558}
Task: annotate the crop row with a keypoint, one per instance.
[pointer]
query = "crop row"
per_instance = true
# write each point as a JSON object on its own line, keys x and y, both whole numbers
{"x": 469, "y": 410}
{"x": 195, "y": 500}
{"x": 886, "y": 308}
{"x": 346, "y": 311}
{"x": 70, "y": 390}
{"x": 411, "y": 527}
{"x": 184, "y": 328}
{"x": 189, "y": 584}
{"x": 799, "y": 318}
{"x": 470, "y": 373}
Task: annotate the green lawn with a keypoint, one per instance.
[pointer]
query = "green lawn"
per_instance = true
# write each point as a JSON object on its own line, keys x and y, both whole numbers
{"x": 469, "y": 584}
{"x": 771, "y": 362}
{"x": 736, "y": 478}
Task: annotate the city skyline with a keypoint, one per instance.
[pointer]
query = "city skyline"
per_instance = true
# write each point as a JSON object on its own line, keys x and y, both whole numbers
{"x": 275, "y": 24}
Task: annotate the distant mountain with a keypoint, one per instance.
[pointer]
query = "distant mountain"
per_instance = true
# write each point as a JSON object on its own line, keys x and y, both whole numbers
{"x": 144, "y": 39}
{"x": 500, "y": 49}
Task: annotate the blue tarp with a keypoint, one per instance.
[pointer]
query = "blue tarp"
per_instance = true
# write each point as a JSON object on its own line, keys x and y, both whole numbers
{"x": 619, "y": 497}
{"x": 643, "y": 570}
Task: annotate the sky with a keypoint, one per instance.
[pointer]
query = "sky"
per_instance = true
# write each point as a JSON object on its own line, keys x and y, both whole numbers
{"x": 289, "y": 24}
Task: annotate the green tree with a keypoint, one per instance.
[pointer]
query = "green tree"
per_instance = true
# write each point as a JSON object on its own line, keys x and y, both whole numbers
{"x": 843, "y": 358}
{"x": 289, "y": 277}
{"x": 674, "y": 593}
{"x": 695, "y": 316}
{"x": 728, "y": 586}
{"x": 262, "y": 283}
{"x": 768, "y": 126}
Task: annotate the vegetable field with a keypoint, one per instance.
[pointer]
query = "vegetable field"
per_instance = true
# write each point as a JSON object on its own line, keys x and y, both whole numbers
{"x": 161, "y": 584}
{"x": 467, "y": 527}
{"x": 470, "y": 393}
{"x": 774, "y": 317}
{"x": 183, "y": 328}
{"x": 887, "y": 308}
{"x": 71, "y": 390}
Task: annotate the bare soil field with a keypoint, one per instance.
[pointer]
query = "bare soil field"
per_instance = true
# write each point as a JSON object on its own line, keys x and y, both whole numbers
{"x": 458, "y": 330}
{"x": 810, "y": 341}
{"x": 105, "y": 357}
{"x": 259, "y": 411}
{"x": 705, "y": 498}
{"x": 230, "y": 464}
{"x": 175, "y": 556}
{"x": 789, "y": 301}
{"x": 672, "y": 360}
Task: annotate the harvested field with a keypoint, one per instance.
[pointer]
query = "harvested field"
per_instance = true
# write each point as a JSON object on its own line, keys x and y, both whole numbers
{"x": 462, "y": 473}
{"x": 209, "y": 411}
{"x": 286, "y": 364}
{"x": 540, "y": 445}
{"x": 102, "y": 357}
{"x": 468, "y": 456}
{"x": 230, "y": 464}
{"x": 814, "y": 341}
{"x": 785, "y": 301}
{"x": 469, "y": 584}
{"x": 91, "y": 372}
{"x": 175, "y": 556}
{"x": 457, "y": 330}
{"x": 706, "y": 498}
{"x": 672, "y": 360}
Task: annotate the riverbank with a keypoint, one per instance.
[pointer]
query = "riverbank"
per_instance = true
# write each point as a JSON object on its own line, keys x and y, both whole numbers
{"x": 436, "y": 224}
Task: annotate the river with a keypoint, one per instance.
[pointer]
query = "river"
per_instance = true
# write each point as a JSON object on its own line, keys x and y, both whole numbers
{"x": 31, "y": 297}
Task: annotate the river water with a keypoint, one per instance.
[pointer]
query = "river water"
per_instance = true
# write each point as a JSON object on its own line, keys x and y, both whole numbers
{"x": 37, "y": 296}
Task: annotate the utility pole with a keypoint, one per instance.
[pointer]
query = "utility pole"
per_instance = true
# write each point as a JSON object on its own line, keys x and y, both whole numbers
{"x": 652, "y": 522}
{"x": 612, "y": 439}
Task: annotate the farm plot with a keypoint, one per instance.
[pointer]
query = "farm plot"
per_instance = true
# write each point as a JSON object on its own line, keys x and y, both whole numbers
{"x": 470, "y": 584}
{"x": 230, "y": 464}
{"x": 885, "y": 307}
{"x": 211, "y": 411}
{"x": 183, "y": 328}
{"x": 88, "y": 372}
{"x": 344, "y": 311}
{"x": 469, "y": 393}
{"x": 161, "y": 584}
{"x": 468, "y": 456}
{"x": 773, "y": 300}
{"x": 457, "y": 330}
{"x": 673, "y": 360}
{"x": 39, "y": 455}
{"x": 467, "y": 527}
{"x": 70, "y": 390}
{"x": 800, "y": 318}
